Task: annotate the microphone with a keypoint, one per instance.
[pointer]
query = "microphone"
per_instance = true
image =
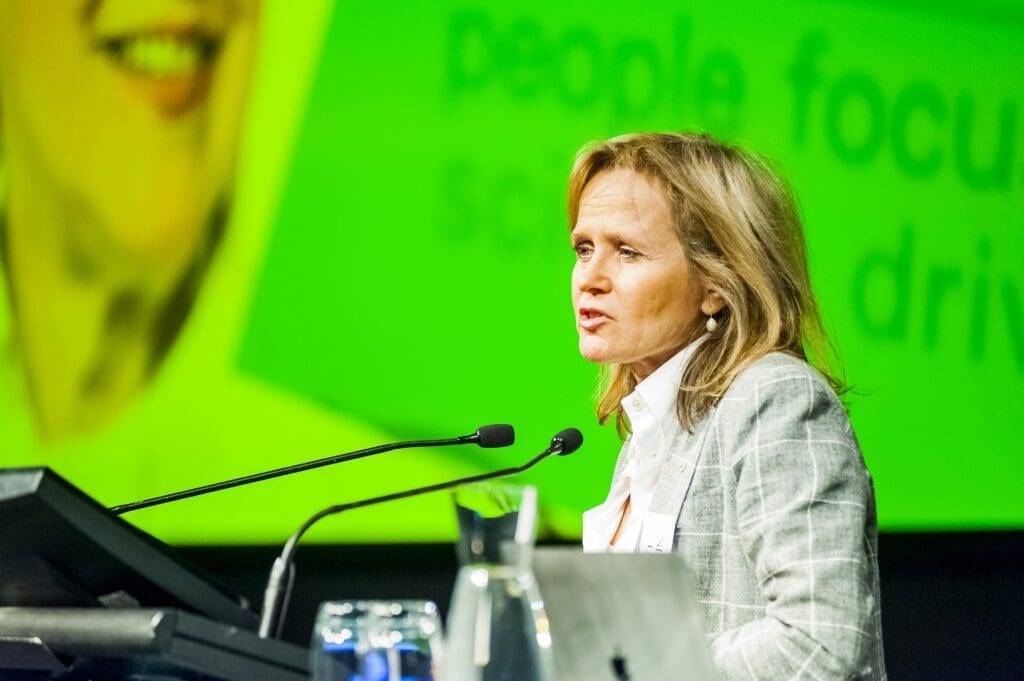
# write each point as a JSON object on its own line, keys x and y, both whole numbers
{"x": 496, "y": 435}
{"x": 566, "y": 442}
{"x": 275, "y": 597}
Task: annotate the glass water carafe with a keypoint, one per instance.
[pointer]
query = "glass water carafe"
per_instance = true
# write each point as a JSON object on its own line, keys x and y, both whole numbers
{"x": 497, "y": 626}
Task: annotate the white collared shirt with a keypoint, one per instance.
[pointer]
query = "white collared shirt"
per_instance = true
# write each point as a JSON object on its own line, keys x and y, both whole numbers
{"x": 651, "y": 408}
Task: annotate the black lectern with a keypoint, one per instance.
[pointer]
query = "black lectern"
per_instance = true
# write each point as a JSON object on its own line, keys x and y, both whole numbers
{"x": 85, "y": 595}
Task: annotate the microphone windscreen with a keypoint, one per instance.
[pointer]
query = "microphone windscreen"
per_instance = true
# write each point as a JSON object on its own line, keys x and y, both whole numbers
{"x": 570, "y": 440}
{"x": 496, "y": 435}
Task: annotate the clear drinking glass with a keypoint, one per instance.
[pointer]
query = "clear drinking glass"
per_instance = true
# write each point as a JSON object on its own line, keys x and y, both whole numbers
{"x": 390, "y": 640}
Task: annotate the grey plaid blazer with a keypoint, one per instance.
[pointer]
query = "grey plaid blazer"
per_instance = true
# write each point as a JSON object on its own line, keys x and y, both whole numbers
{"x": 776, "y": 519}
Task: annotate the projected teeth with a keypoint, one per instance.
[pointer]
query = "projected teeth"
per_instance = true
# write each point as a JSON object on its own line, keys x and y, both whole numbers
{"x": 161, "y": 57}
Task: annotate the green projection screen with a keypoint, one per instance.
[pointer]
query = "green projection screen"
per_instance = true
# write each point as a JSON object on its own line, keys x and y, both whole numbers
{"x": 396, "y": 262}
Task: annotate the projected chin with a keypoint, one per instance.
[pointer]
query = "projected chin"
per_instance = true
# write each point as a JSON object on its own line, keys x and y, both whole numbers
{"x": 120, "y": 123}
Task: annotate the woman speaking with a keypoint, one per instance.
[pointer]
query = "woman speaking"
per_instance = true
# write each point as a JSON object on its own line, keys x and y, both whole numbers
{"x": 691, "y": 287}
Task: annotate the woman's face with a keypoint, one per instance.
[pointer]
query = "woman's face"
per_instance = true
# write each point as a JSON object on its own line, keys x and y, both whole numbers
{"x": 122, "y": 116}
{"x": 636, "y": 297}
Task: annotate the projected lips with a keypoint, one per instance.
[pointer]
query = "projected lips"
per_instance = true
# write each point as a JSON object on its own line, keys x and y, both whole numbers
{"x": 170, "y": 68}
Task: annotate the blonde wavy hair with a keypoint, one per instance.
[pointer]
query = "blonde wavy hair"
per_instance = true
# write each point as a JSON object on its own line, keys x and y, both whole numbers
{"x": 741, "y": 231}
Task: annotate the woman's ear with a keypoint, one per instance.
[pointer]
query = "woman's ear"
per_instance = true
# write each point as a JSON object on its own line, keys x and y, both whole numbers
{"x": 712, "y": 303}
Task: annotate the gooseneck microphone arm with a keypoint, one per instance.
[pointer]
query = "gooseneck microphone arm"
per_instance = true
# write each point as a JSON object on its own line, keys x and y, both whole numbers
{"x": 498, "y": 435}
{"x": 276, "y": 595}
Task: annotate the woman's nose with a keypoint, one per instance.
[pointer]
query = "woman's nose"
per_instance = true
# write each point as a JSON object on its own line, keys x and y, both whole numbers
{"x": 592, "y": 275}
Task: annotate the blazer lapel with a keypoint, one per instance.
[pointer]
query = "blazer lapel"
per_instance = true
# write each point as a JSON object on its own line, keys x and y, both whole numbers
{"x": 677, "y": 473}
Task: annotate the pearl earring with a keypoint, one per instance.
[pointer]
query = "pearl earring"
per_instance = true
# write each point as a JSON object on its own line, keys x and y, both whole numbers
{"x": 712, "y": 324}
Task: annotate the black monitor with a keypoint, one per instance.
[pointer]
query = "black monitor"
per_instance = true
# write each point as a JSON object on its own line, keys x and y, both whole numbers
{"x": 60, "y": 548}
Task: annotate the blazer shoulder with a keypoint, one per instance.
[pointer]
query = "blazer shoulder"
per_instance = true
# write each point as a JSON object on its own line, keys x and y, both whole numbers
{"x": 778, "y": 398}
{"x": 781, "y": 392}
{"x": 777, "y": 368}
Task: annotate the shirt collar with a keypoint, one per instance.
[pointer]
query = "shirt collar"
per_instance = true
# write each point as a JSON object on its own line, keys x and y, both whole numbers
{"x": 659, "y": 390}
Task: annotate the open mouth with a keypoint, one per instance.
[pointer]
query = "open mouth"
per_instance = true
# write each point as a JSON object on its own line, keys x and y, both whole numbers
{"x": 590, "y": 319}
{"x": 162, "y": 54}
{"x": 172, "y": 69}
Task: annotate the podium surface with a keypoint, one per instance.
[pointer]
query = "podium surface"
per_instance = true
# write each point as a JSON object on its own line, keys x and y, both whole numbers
{"x": 86, "y": 595}
{"x": 138, "y": 643}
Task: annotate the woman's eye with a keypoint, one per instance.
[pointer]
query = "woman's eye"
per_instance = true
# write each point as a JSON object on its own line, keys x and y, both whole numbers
{"x": 628, "y": 252}
{"x": 583, "y": 250}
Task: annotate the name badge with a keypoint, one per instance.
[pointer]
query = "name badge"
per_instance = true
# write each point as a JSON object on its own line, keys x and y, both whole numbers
{"x": 658, "y": 534}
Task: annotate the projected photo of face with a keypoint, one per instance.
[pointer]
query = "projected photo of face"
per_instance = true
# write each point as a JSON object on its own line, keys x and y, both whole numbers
{"x": 120, "y": 122}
